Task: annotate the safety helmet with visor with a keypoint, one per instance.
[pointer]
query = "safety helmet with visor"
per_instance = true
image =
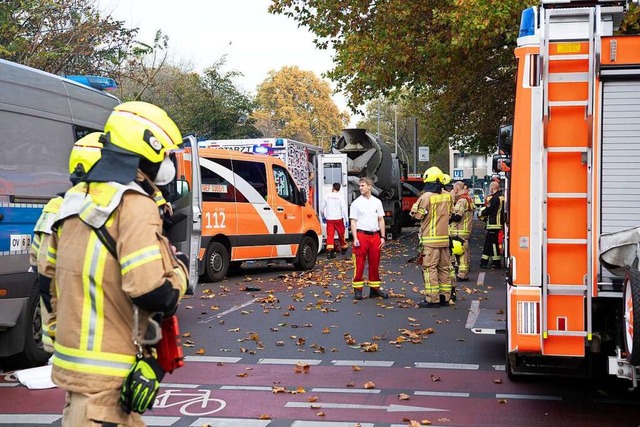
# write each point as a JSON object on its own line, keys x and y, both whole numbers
{"x": 433, "y": 174}
{"x": 85, "y": 153}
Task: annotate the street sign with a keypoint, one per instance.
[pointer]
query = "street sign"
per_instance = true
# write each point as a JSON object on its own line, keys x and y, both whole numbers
{"x": 423, "y": 154}
{"x": 458, "y": 174}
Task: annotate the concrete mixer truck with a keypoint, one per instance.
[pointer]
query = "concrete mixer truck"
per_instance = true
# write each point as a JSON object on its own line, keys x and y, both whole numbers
{"x": 368, "y": 155}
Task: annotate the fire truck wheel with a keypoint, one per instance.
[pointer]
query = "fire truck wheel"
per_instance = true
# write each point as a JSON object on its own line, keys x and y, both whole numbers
{"x": 217, "y": 262}
{"x": 631, "y": 312}
{"x": 307, "y": 254}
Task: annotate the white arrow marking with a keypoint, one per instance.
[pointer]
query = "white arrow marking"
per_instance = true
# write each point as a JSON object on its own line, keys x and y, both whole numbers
{"x": 389, "y": 408}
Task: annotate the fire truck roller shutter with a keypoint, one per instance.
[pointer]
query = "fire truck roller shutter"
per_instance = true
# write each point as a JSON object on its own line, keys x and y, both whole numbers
{"x": 620, "y": 188}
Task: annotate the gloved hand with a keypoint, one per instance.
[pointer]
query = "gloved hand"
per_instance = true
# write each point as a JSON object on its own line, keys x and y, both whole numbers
{"x": 141, "y": 386}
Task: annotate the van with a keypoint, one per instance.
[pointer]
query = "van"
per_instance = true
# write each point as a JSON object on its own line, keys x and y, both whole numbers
{"x": 41, "y": 116}
{"x": 251, "y": 210}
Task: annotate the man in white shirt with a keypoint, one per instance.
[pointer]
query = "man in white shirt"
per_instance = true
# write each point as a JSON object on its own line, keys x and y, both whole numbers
{"x": 334, "y": 212}
{"x": 367, "y": 228}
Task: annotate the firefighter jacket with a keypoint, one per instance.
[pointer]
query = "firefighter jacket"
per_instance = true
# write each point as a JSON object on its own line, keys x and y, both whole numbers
{"x": 42, "y": 230}
{"x": 494, "y": 212}
{"x": 433, "y": 210}
{"x": 463, "y": 215}
{"x": 37, "y": 254}
{"x": 96, "y": 291}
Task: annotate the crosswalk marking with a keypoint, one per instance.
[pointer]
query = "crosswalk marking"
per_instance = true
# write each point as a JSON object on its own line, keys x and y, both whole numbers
{"x": 268, "y": 361}
{"x": 230, "y": 422}
{"x": 463, "y": 366}
{"x": 383, "y": 363}
{"x": 212, "y": 359}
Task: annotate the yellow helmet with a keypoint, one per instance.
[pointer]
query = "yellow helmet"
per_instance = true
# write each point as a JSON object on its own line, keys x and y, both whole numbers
{"x": 433, "y": 174}
{"x": 446, "y": 179}
{"x": 84, "y": 154}
{"x": 143, "y": 129}
{"x": 458, "y": 247}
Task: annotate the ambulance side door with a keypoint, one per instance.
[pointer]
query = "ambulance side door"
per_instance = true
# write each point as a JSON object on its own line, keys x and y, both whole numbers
{"x": 287, "y": 202}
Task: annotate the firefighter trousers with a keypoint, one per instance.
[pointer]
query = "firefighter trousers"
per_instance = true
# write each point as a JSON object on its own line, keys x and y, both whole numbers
{"x": 491, "y": 251}
{"x": 464, "y": 261}
{"x": 97, "y": 410}
{"x": 436, "y": 271}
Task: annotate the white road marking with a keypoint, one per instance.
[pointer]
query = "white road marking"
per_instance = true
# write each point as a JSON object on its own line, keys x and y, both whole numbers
{"x": 268, "y": 361}
{"x": 160, "y": 421}
{"x": 212, "y": 359}
{"x": 500, "y": 367}
{"x": 388, "y": 408}
{"x": 245, "y": 387}
{"x": 176, "y": 385}
{"x": 474, "y": 312}
{"x": 230, "y": 422}
{"x": 9, "y": 384}
{"x": 384, "y": 363}
{"x": 13, "y": 419}
{"x": 480, "y": 281}
{"x": 527, "y": 397}
{"x": 344, "y": 390}
{"x": 440, "y": 393}
{"x": 231, "y": 310}
{"x": 328, "y": 424}
{"x": 465, "y": 366}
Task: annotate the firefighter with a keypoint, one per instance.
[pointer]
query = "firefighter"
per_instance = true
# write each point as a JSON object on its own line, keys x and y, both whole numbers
{"x": 433, "y": 209}
{"x": 460, "y": 226}
{"x": 112, "y": 269}
{"x": 494, "y": 215}
{"x": 84, "y": 154}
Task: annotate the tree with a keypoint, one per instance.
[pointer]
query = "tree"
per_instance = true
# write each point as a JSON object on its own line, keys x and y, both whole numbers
{"x": 453, "y": 57}
{"x": 297, "y": 104}
{"x": 64, "y": 37}
{"x": 207, "y": 105}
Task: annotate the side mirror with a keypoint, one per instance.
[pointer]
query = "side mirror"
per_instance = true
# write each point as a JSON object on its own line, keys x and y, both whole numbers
{"x": 505, "y": 139}
{"x": 303, "y": 197}
{"x": 501, "y": 163}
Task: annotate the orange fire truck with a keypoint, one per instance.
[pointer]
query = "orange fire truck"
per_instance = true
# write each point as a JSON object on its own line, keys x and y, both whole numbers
{"x": 572, "y": 158}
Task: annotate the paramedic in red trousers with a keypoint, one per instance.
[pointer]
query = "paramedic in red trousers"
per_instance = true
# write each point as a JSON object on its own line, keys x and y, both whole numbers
{"x": 112, "y": 268}
{"x": 433, "y": 209}
{"x": 334, "y": 212}
{"x": 367, "y": 228}
{"x": 493, "y": 213}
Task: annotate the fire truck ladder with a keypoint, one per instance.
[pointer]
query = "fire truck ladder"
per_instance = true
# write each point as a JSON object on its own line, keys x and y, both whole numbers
{"x": 564, "y": 60}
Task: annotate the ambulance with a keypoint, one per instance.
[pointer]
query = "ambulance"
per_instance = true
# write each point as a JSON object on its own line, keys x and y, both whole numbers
{"x": 311, "y": 168}
{"x": 571, "y": 160}
{"x": 252, "y": 209}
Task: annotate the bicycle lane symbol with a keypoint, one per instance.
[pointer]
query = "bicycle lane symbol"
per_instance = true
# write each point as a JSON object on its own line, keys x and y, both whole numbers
{"x": 191, "y": 403}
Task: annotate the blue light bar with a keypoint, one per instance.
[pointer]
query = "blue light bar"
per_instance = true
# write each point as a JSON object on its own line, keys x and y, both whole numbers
{"x": 527, "y": 22}
{"x": 96, "y": 82}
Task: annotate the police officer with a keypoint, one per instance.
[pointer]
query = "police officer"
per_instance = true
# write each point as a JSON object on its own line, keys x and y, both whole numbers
{"x": 113, "y": 268}
{"x": 84, "y": 154}
{"x": 433, "y": 209}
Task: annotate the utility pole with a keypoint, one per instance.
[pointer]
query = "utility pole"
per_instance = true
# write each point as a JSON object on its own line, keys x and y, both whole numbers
{"x": 395, "y": 119}
{"x": 415, "y": 145}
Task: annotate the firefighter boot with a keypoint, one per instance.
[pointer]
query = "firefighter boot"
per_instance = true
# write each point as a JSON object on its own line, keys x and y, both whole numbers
{"x": 427, "y": 304}
{"x": 357, "y": 293}
{"x": 331, "y": 255}
{"x": 378, "y": 293}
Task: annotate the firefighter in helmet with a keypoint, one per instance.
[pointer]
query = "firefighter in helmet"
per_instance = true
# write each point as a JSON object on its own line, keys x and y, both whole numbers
{"x": 84, "y": 154}
{"x": 433, "y": 209}
{"x": 460, "y": 226}
{"x": 113, "y": 269}
{"x": 494, "y": 214}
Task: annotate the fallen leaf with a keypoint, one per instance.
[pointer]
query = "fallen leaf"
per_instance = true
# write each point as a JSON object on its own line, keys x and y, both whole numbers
{"x": 200, "y": 351}
{"x": 403, "y": 396}
{"x": 264, "y": 417}
{"x": 351, "y": 384}
{"x": 186, "y": 335}
{"x": 435, "y": 378}
{"x": 242, "y": 375}
{"x": 497, "y": 381}
{"x": 320, "y": 414}
{"x": 369, "y": 385}
{"x": 302, "y": 368}
{"x": 411, "y": 319}
{"x": 356, "y": 368}
{"x": 312, "y": 399}
{"x": 502, "y": 401}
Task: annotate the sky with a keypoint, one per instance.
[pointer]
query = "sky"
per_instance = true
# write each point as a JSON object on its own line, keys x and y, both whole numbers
{"x": 202, "y": 31}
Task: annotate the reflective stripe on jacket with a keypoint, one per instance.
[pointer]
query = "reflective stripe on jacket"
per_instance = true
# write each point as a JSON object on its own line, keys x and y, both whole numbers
{"x": 94, "y": 347}
{"x": 464, "y": 208}
{"x": 433, "y": 210}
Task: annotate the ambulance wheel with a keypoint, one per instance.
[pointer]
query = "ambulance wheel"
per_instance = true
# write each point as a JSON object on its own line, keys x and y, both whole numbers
{"x": 307, "y": 254}
{"x": 631, "y": 312}
{"x": 217, "y": 262}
